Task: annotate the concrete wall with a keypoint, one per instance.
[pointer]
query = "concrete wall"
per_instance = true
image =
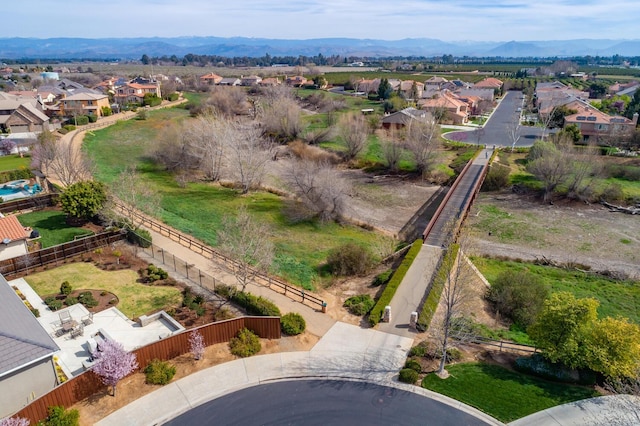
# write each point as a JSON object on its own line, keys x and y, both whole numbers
{"x": 20, "y": 388}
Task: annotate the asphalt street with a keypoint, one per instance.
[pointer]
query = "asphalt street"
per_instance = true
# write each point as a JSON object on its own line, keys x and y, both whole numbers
{"x": 496, "y": 131}
{"x": 324, "y": 402}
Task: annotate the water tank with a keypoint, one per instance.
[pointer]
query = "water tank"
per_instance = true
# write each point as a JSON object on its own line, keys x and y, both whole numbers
{"x": 50, "y": 75}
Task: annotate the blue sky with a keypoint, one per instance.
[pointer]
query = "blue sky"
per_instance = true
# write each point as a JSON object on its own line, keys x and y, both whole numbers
{"x": 449, "y": 20}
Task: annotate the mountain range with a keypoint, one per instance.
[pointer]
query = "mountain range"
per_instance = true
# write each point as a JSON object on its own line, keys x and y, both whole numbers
{"x": 134, "y": 48}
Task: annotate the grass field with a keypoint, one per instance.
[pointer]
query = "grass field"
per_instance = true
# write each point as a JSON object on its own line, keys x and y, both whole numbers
{"x": 13, "y": 162}
{"x": 52, "y": 226}
{"x": 617, "y": 298}
{"x": 198, "y": 209}
{"x": 502, "y": 393}
{"x": 135, "y": 299}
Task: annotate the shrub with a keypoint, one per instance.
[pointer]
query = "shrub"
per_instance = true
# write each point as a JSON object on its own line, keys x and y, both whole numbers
{"x": 141, "y": 237}
{"x": 80, "y": 120}
{"x": 70, "y": 300}
{"x": 35, "y": 312}
{"x": 87, "y": 299}
{"x": 430, "y": 305}
{"x": 159, "y": 372}
{"x": 173, "y": 97}
{"x": 292, "y": 324}
{"x": 497, "y": 177}
{"x": 413, "y": 365}
{"x": 453, "y": 355}
{"x": 382, "y": 278}
{"x": 245, "y": 344}
{"x": 106, "y": 111}
{"x": 537, "y": 365}
{"x": 519, "y": 295}
{"x": 408, "y": 375}
{"x": 65, "y": 288}
{"x": 53, "y": 303}
{"x": 255, "y": 305}
{"x": 92, "y": 118}
{"x": 420, "y": 350}
{"x": 359, "y": 305}
{"x": 350, "y": 259}
{"x": 58, "y": 416}
{"x": 153, "y": 273}
{"x": 376, "y": 312}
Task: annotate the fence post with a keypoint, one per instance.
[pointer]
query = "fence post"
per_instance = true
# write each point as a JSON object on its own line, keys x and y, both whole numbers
{"x": 174, "y": 264}
{"x": 162, "y": 250}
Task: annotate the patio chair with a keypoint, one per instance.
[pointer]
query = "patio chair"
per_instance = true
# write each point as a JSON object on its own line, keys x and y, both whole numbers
{"x": 77, "y": 331}
{"x": 87, "y": 319}
{"x": 65, "y": 316}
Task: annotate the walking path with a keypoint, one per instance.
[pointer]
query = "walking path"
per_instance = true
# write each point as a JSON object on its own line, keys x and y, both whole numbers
{"x": 345, "y": 352}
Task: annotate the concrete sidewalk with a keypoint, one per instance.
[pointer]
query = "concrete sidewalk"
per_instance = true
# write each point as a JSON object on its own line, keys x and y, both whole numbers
{"x": 345, "y": 352}
{"x": 317, "y": 322}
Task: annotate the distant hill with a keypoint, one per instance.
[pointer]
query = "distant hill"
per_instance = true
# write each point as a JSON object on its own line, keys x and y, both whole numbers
{"x": 134, "y": 48}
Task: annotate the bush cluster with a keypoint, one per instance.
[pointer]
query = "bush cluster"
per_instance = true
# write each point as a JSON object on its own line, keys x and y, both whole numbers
{"x": 87, "y": 299}
{"x": 153, "y": 273}
{"x": 59, "y": 416}
{"x": 159, "y": 372}
{"x": 17, "y": 174}
{"x": 376, "y": 312}
{"x": 255, "y": 305}
{"x": 497, "y": 177}
{"x": 519, "y": 295}
{"x": 140, "y": 237}
{"x": 407, "y": 375}
{"x": 537, "y": 365}
{"x": 53, "y": 303}
{"x": 382, "y": 278}
{"x": 413, "y": 365}
{"x": 245, "y": 344}
{"x": 350, "y": 259}
{"x": 420, "y": 350}
{"x": 359, "y": 305}
{"x": 193, "y": 302}
{"x": 65, "y": 288}
{"x": 292, "y": 324}
{"x": 430, "y": 305}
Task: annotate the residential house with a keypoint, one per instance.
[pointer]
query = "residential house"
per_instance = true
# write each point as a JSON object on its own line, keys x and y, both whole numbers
{"x": 210, "y": 78}
{"x": 554, "y": 94}
{"x": 270, "y": 82}
{"x": 435, "y": 82}
{"x": 296, "y": 81}
{"x": 20, "y": 114}
{"x": 84, "y": 104}
{"x": 402, "y": 118}
{"x": 229, "y": 81}
{"x": 367, "y": 86}
{"x": 407, "y": 87}
{"x": 27, "y": 368}
{"x": 484, "y": 93}
{"x": 595, "y": 125}
{"x": 457, "y": 111}
{"x": 133, "y": 92}
{"x": 489, "y": 82}
{"x": 251, "y": 80}
{"x": 13, "y": 237}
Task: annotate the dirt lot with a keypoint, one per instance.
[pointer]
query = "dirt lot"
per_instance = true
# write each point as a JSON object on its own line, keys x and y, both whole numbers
{"x": 520, "y": 227}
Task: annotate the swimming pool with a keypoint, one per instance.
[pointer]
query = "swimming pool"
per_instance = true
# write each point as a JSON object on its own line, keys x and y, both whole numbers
{"x": 18, "y": 189}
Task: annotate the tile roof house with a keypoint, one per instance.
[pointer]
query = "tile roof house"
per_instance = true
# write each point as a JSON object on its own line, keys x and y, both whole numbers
{"x": 27, "y": 369}
{"x": 595, "y": 124}
{"x": 133, "y": 92}
{"x": 20, "y": 114}
{"x": 210, "y": 78}
{"x": 84, "y": 104}
{"x": 490, "y": 82}
{"x": 13, "y": 237}
{"x": 296, "y": 81}
{"x": 270, "y": 81}
{"x": 406, "y": 87}
{"x": 229, "y": 81}
{"x": 250, "y": 80}
{"x": 457, "y": 109}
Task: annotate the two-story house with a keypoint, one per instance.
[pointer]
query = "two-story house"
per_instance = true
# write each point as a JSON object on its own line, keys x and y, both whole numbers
{"x": 84, "y": 104}
{"x": 133, "y": 93}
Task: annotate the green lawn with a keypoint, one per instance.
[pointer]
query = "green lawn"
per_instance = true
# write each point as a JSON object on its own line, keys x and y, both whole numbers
{"x": 617, "y": 298}
{"x": 13, "y": 162}
{"x": 501, "y": 393}
{"x": 52, "y": 226}
{"x": 198, "y": 208}
{"x": 135, "y": 299}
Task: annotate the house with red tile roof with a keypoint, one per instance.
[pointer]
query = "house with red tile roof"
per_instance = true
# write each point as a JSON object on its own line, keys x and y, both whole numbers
{"x": 490, "y": 82}
{"x": 457, "y": 109}
{"x": 134, "y": 92}
{"x": 296, "y": 81}
{"x": 210, "y": 78}
{"x": 13, "y": 237}
{"x": 595, "y": 124}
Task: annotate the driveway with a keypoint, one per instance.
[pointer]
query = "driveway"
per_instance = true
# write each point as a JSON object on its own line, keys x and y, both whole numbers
{"x": 496, "y": 130}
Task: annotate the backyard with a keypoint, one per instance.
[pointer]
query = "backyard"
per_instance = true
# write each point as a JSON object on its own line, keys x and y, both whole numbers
{"x": 13, "y": 162}
{"x": 52, "y": 225}
{"x": 135, "y": 299}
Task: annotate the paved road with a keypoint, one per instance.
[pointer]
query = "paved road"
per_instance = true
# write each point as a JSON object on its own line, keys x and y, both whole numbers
{"x": 496, "y": 130}
{"x": 324, "y": 402}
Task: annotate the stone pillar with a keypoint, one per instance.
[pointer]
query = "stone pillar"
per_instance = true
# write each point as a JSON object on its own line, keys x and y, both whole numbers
{"x": 413, "y": 320}
{"x": 387, "y": 314}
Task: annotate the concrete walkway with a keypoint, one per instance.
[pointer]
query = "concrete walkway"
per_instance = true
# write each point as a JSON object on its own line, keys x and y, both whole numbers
{"x": 345, "y": 352}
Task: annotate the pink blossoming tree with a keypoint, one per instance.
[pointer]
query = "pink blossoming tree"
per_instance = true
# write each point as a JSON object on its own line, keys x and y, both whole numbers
{"x": 114, "y": 363}
{"x": 196, "y": 344}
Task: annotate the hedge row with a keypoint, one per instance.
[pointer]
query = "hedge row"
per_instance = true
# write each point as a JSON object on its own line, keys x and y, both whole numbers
{"x": 376, "y": 313}
{"x": 431, "y": 304}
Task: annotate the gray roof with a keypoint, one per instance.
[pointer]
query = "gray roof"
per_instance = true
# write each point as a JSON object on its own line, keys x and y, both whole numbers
{"x": 22, "y": 338}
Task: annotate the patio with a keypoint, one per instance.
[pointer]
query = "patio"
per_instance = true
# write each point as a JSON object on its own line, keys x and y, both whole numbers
{"x": 74, "y": 356}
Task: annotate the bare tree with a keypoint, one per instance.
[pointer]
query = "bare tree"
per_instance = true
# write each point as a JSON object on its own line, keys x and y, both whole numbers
{"x": 515, "y": 131}
{"x": 282, "y": 119}
{"x": 247, "y": 242}
{"x": 129, "y": 197}
{"x": 422, "y": 140}
{"x": 454, "y": 278}
{"x": 173, "y": 149}
{"x": 61, "y": 159}
{"x": 392, "y": 150}
{"x": 246, "y": 154}
{"x": 585, "y": 166}
{"x": 205, "y": 140}
{"x": 354, "y": 131}
{"x": 548, "y": 164}
{"x": 319, "y": 188}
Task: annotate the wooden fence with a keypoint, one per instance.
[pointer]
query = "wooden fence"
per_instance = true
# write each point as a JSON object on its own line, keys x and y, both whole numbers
{"x": 86, "y": 384}
{"x": 503, "y": 345}
{"x": 28, "y": 203}
{"x": 196, "y": 275}
{"x": 11, "y": 267}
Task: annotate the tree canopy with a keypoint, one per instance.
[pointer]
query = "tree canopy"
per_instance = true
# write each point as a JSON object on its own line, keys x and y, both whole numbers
{"x": 83, "y": 200}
